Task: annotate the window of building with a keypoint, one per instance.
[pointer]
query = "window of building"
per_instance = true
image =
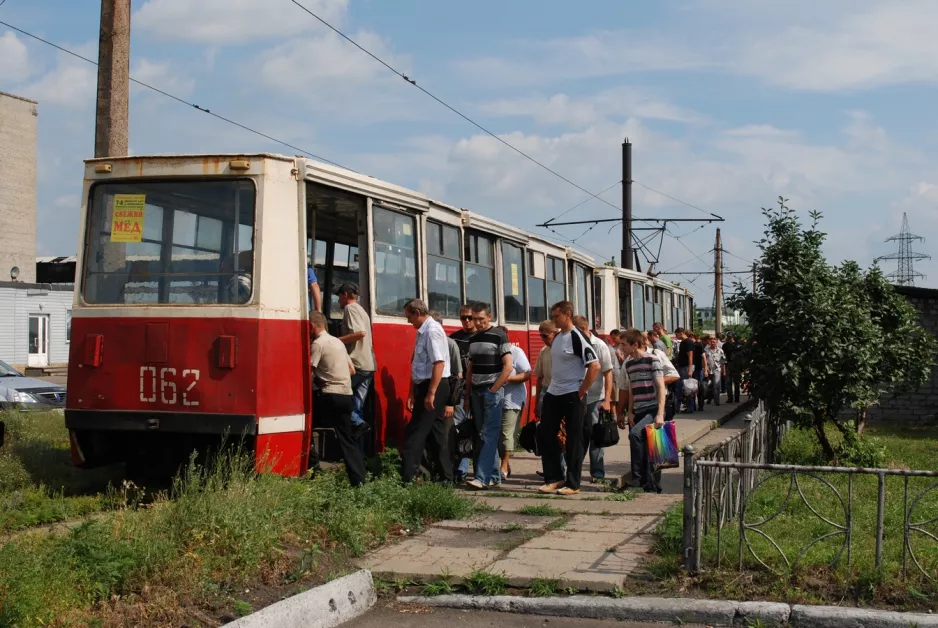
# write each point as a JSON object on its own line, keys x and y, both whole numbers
{"x": 537, "y": 296}
{"x": 513, "y": 276}
{"x": 480, "y": 270}
{"x": 170, "y": 243}
{"x": 395, "y": 260}
{"x": 555, "y": 281}
{"x": 444, "y": 276}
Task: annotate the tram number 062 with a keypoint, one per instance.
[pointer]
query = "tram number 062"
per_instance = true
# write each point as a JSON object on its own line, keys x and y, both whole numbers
{"x": 171, "y": 390}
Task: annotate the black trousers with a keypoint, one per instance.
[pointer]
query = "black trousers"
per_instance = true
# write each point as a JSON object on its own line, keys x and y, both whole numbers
{"x": 335, "y": 411}
{"x": 554, "y": 409}
{"x": 427, "y": 425}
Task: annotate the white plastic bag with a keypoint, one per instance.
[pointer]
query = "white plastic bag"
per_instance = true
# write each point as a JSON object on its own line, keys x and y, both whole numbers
{"x": 689, "y": 386}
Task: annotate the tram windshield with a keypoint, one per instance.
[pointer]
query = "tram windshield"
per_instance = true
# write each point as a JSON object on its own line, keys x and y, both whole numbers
{"x": 170, "y": 243}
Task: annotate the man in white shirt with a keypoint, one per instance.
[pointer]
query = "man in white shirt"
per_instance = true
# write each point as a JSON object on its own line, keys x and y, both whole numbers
{"x": 516, "y": 395}
{"x": 429, "y": 395}
{"x": 574, "y": 368}
{"x": 598, "y": 397}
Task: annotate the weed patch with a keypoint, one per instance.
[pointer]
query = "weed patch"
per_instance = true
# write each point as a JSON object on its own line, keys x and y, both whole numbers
{"x": 544, "y": 587}
{"x": 486, "y": 583}
{"x": 540, "y": 510}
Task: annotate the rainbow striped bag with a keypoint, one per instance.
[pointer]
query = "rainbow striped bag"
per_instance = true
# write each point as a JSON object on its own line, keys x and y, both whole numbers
{"x": 662, "y": 446}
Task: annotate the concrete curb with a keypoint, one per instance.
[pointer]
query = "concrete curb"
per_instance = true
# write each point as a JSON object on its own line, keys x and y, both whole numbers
{"x": 684, "y": 611}
{"x": 329, "y": 605}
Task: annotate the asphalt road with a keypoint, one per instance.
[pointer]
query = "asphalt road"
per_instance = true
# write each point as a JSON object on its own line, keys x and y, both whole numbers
{"x": 409, "y": 616}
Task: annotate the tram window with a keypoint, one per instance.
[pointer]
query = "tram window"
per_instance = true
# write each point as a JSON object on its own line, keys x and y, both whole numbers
{"x": 480, "y": 271}
{"x": 667, "y": 310}
{"x": 625, "y": 301}
{"x": 597, "y": 301}
{"x": 395, "y": 261}
{"x": 178, "y": 243}
{"x": 444, "y": 280}
{"x": 555, "y": 281}
{"x": 513, "y": 276}
{"x": 582, "y": 292}
{"x": 537, "y": 299}
{"x": 638, "y": 304}
{"x": 344, "y": 269}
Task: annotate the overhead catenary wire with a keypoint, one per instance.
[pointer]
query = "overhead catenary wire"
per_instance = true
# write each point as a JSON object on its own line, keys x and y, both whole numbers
{"x": 447, "y": 105}
{"x": 183, "y": 101}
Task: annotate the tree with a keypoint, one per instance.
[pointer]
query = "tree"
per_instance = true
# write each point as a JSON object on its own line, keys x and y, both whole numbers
{"x": 826, "y": 340}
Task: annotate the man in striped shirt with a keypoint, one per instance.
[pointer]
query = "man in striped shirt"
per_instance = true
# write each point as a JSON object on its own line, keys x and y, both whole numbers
{"x": 489, "y": 368}
{"x": 643, "y": 380}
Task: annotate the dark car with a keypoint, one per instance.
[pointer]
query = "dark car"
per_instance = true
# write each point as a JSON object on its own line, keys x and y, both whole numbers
{"x": 19, "y": 392}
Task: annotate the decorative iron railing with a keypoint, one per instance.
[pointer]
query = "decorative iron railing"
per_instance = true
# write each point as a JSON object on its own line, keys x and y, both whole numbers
{"x": 725, "y": 492}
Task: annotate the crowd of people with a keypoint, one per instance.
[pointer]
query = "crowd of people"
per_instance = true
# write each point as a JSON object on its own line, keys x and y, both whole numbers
{"x": 473, "y": 384}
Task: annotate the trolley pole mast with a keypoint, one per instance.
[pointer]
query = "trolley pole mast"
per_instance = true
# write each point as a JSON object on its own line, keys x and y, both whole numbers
{"x": 718, "y": 284}
{"x": 113, "y": 104}
{"x": 628, "y": 257}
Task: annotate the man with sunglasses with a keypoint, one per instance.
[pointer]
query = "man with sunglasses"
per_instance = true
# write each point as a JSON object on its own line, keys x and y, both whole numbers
{"x": 462, "y": 337}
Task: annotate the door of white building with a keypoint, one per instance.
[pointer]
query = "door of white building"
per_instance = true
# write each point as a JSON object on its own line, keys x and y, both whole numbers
{"x": 38, "y": 340}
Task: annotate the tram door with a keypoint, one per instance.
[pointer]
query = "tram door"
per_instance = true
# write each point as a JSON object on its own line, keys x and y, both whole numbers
{"x": 336, "y": 244}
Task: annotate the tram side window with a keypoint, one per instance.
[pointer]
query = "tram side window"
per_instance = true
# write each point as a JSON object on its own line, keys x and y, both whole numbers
{"x": 444, "y": 279}
{"x": 513, "y": 276}
{"x": 480, "y": 270}
{"x": 649, "y": 305}
{"x": 395, "y": 261}
{"x": 170, "y": 243}
{"x": 537, "y": 296}
{"x": 582, "y": 292}
{"x": 597, "y": 301}
{"x": 555, "y": 281}
{"x": 625, "y": 300}
{"x": 638, "y": 303}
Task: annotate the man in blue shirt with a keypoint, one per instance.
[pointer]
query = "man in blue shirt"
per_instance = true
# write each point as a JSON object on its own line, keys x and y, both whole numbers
{"x": 315, "y": 305}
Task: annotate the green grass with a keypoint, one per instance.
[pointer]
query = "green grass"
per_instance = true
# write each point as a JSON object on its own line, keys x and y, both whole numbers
{"x": 795, "y": 525}
{"x": 540, "y": 510}
{"x": 544, "y": 587}
{"x": 439, "y": 587}
{"x": 486, "y": 583}
{"x": 225, "y": 529}
{"x": 39, "y": 484}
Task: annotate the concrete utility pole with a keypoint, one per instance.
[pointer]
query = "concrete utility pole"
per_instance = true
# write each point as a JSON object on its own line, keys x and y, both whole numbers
{"x": 111, "y": 115}
{"x": 628, "y": 257}
{"x": 718, "y": 284}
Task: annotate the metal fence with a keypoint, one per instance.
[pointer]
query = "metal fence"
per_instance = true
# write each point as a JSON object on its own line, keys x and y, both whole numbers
{"x": 720, "y": 482}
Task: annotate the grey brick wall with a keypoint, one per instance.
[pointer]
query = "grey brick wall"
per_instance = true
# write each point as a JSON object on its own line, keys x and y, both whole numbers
{"x": 919, "y": 406}
{"x": 18, "y": 127}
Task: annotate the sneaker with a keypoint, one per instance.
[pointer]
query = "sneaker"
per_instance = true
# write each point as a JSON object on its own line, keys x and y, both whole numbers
{"x": 550, "y": 488}
{"x": 566, "y": 490}
{"x": 476, "y": 485}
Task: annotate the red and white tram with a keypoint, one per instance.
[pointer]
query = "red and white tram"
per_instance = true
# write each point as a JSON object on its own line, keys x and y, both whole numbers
{"x": 190, "y": 316}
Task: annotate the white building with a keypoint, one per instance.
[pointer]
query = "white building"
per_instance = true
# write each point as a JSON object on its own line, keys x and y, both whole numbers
{"x": 18, "y": 137}
{"x": 35, "y": 324}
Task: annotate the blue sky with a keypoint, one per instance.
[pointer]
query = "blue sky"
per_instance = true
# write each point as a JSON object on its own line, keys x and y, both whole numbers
{"x": 729, "y": 104}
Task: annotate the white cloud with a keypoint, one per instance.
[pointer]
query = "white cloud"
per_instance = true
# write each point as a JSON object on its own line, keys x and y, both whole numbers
{"x": 15, "y": 64}
{"x": 868, "y": 44}
{"x": 71, "y": 84}
{"x": 604, "y": 53}
{"x": 578, "y": 112}
{"x": 160, "y": 75}
{"x": 233, "y": 21}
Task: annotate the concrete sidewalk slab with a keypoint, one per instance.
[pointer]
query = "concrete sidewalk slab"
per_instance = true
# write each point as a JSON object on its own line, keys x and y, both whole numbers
{"x": 643, "y": 504}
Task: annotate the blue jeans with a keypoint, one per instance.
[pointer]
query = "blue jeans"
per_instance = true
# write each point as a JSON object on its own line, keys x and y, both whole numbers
{"x": 642, "y": 473}
{"x": 487, "y": 409}
{"x": 361, "y": 382}
{"x": 597, "y": 466}
{"x": 462, "y": 467}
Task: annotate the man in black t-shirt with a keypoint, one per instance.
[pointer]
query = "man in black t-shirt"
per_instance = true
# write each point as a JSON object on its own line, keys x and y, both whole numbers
{"x": 685, "y": 366}
{"x": 700, "y": 373}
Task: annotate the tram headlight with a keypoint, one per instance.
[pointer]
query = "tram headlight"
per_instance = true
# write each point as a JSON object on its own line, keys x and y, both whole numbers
{"x": 23, "y": 397}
